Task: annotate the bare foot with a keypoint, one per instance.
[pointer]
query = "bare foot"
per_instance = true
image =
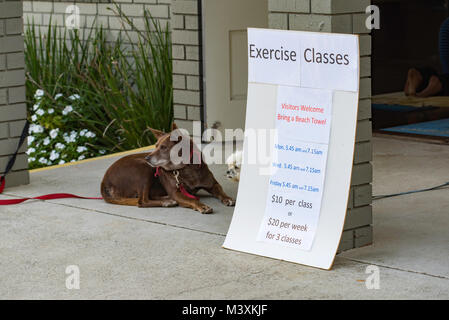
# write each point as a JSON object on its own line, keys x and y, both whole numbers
{"x": 414, "y": 80}
{"x": 432, "y": 89}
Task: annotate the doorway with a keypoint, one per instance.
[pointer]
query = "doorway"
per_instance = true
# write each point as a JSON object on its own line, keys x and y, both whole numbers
{"x": 225, "y": 58}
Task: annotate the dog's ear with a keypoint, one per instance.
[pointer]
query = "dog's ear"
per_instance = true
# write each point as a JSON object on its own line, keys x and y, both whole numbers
{"x": 157, "y": 133}
{"x": 174, "y": 126}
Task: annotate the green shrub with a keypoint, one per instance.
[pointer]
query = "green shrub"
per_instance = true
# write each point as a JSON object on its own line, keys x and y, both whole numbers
{"x": 80, "y": 83}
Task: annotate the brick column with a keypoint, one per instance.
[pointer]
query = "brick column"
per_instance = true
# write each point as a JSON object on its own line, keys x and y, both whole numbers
{"x": 13, "y": 110}
{"x": 187, "y": 56}
{"x": 342, "y": 16}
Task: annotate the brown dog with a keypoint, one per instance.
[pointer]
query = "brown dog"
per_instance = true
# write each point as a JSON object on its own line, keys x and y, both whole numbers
{"x": 153, "y": 180}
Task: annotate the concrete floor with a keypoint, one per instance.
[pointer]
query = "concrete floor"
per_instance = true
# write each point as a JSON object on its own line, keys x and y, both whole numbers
{"x": 132, "y": 253}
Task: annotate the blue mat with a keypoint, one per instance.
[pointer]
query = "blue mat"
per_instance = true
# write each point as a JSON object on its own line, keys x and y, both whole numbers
{"x": 392, "y": 107}
{"x": 439, "y": 128}
{"x": 398, "y": 108}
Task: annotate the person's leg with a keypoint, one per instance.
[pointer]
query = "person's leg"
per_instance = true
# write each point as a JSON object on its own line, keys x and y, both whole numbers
{"x": 433, "y": 88}
{"x": 414, "y": 80}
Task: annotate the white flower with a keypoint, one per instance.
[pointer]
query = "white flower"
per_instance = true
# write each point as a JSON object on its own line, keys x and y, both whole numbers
{"x": 31, "y": 159}
{"x": 81, "y": 149}
{"x": 61, "y": 162}
{"x": 81, "y": 157}
{"x": 50, "y": 111}
{"x": 54, "y": 155}
{"x": 102, "y": 151}
{"x": 74, "y": 97}
{"x": 59, "y": 146}
{"x": 54, "y": 133}
{"x": 59, "y": 95}
{"x": 67, "y": 110}
{"x": 30, "y": 151}
{"x": 39, "y": 94}
{"x": 72, "y": 160}
{"x": 43, "y": 160}
{"x": 83, "y": 132}
{"x": 40, "y": 112}
{"x": 33, "y": 118}
{"x": 36, "y": 106}
{"x": 46, "y": 141}
{"x": 90, "y": 135}
{"x": 34, "y": 128}
{"x": 30, "y": 139}
{"x": 73, "y": 136}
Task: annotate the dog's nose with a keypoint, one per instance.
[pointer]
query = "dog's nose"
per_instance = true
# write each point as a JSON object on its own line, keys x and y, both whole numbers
{"x": 228, "y": 172}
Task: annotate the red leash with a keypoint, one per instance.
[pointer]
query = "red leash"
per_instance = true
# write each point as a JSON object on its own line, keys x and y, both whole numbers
{"x": 52, "y": 196}
{"x": 188, "y": 195}
{"x": 181, "y": 187}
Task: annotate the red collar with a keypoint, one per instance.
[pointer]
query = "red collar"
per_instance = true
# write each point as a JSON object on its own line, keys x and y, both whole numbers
{"x": 156, "y": 174}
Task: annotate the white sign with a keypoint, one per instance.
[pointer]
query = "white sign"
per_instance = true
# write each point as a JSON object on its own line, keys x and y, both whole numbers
{"x": 306, "y": 59}
{"x": 296, "y": 213}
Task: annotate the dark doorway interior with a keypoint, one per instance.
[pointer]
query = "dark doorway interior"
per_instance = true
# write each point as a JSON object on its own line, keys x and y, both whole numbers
{"x": 408, "y": 37}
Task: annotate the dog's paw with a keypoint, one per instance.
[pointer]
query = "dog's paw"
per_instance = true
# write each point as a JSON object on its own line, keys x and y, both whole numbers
{"x": 169, "y": 203}
{"x": 205, "y": 209}
{"x": 228, "y": 202}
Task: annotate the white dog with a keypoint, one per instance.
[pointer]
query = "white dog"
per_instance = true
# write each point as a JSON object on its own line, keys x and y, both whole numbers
{"x": 234, "y": 163}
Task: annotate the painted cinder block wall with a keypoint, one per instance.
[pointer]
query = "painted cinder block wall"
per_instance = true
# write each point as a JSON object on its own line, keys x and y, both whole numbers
{"x": 95, "y": 11}
{"x": 342, "y": 16}
{"x": 12, "y": 92}
{"x": 187, "y": 68}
